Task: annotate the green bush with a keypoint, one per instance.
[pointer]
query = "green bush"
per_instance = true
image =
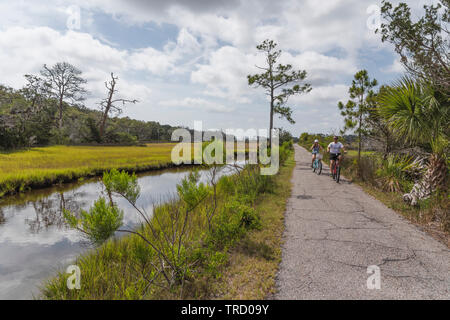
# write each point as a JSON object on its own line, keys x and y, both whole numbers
{"x": 249, "y": 218}
{"x": 232, "y": 222}
{"x": 392, "y": 175}
{"x": 306, "y": 140}
{"x": 365, "y": 170}
{"x": 215, "y": 261}
{"x": 191, "y": 192}
{"x": 123, "y": 184}
{"x": 100, "y": 223}
{"x": 285, "y": 150}
{"x": 114, "y": 136}
{"x": 227, "y": 229}
{"x": 285, "y": 136}
{"x": 226, "y": 185}
{"x": 251, "y": 183}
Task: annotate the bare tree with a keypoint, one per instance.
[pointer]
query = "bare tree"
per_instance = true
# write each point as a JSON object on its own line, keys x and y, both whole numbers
{"x": 65, "y": 84}
{"x": 108, "y": 105}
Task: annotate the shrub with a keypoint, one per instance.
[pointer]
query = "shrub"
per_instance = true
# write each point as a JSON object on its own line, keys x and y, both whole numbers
{"x": 192, "y": 193}
{"x": 100, "y": 223}
{"x": 249, "y": 219}
{"x": 285, "y": 150}
{"x": 226, "y": 185}
{"x": 251, "y": 183}
{"x": 125, "y": 138}
{"x": 121, "y": 183}
{"x": 226, "y": 229}
{"x": 232, "y": 222}
{"x": 285, "y": 136}
{"x": 393, "y": 173}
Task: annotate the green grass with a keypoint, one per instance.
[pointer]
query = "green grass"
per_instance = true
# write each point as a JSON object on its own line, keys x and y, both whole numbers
{"x": 354, "y": 153}
{"x": 233, "y": 263}
{"x": 41, "y": 167}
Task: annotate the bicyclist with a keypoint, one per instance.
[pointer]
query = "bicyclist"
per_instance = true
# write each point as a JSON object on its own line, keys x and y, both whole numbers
{"x": 315, "y": 148}
{"x": 334, "y": 148}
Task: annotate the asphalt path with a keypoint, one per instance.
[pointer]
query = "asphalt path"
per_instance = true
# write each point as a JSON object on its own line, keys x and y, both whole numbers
{"x": 341, "y": 243}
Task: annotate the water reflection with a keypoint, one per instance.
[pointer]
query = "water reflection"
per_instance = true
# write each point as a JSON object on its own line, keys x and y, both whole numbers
{"x": 35, "y": 241}
{"x": 46, "y": 214}
{"x": 2, "y": 216}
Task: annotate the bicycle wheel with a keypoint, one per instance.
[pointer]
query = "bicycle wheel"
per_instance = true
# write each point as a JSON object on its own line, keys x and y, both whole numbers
{"x": 319, "y": 170}
{"x": 338, "y": 174}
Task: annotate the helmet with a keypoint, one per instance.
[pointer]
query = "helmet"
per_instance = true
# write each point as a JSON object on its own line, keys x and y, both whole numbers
{"x": 315, "y": 141}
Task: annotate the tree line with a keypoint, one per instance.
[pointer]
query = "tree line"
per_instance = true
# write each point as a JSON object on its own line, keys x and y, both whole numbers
{"x": 50, "y": 109}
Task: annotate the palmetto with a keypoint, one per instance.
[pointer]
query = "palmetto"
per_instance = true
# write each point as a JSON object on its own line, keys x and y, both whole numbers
{"x": 417, "y": 114}
{"x": 393, "y": 170}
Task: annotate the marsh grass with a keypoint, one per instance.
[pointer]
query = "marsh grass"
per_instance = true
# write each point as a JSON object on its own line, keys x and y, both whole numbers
{"x": 41, "y": 167}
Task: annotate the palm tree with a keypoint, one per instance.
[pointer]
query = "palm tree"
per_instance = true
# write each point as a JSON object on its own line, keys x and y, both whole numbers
{"x": 418, "y": 114}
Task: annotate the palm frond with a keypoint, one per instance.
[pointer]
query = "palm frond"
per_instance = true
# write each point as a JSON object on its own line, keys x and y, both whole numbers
{"x": 411, "y": 110}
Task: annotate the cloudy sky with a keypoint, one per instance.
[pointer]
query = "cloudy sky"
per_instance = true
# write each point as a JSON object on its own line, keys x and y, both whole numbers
{"x": 188, "y": 60}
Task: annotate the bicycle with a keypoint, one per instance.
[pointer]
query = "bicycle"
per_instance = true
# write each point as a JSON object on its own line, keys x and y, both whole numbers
{"x": 336, "y": 170}
{"x": 317, "y": 164}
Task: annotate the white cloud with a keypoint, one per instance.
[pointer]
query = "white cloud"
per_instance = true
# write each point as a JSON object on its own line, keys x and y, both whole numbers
{"x": 176, "y": 57}
{"x": 225, "y": 75}
{"x": 323, "y": 96}
{"x": 395, "y": 67}
{"x": 321, "y": 68}
{"x": 152, "y": 60}
{"x": 197, "y": 103}
{"x": 25, "y": 50}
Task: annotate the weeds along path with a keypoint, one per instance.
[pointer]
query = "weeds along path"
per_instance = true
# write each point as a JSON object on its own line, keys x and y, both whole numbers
{"x": 334, "y": 232}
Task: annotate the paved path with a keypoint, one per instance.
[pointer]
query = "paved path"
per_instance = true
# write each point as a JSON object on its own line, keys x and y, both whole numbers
{"x": 335, "y": 231}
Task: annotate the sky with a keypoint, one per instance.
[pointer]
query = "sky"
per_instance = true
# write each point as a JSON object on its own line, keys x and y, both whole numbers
{"x": 188, "y": 61}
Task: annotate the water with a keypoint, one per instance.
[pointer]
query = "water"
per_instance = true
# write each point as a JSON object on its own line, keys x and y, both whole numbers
{"x": 34, "y": 240}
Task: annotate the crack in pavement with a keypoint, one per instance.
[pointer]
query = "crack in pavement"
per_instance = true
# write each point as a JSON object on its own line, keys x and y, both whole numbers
{"x": 329, "y": 225}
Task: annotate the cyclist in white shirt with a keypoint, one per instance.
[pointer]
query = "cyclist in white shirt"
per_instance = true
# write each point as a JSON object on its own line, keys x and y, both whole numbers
{"x": 334, "y": 148}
